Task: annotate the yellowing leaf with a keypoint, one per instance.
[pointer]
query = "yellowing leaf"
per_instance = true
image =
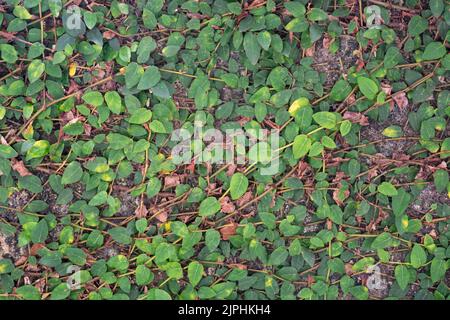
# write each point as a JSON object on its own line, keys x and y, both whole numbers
{"x": 72, "y": 69}
{"x": 297, "y": 104}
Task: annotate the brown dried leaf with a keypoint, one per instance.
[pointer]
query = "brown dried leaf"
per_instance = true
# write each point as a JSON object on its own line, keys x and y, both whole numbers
{"x": 336, "y": 198}
{"x": 196, "y": 15}
{"x": 303, "y": 169}
{"x": 162, "y": 216}
{"x": 171, "y": 181}
{"x": 19, "y": 166}
{"x": 231, "y": 169}
{"x": 228, "y": 231}
{"x": 351, "y": 99}
{"x": 401, "y": 100}
{"x": 21, "y": 261}
{"x": 244, "y": 199}
{"x": 239, "y": 266}
{"x": 327, "y": 41}
{"x": 108, "y": 35}
{"x": 35, "y": 248}
{"x": 348, "y": 269}
{"x": 87, "y": 129}
{"x": 8, "y": 36}
{"x": 336, "y": 193}
{"x": 310, "y": 51}
{"x": 226, "y": 205}
{"x": 310, "y": 280}
{"x": 141, "y": 211}
{"x": 360, "y": 64}
{"x": 386, "y": 88}
{"x": 356, "y": 117}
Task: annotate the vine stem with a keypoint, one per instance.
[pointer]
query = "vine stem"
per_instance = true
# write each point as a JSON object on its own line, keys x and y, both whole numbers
{"x": 45, "y": 106}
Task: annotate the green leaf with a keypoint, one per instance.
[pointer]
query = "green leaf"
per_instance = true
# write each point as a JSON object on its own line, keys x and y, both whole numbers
{"x": 438, "y": 269}
{"x": 382, "y": 241}
{"x": 35, "y": 70}
{"x": 90, "y": 19}
{"x": 114, "y": 102}
{"x": 437, "y": 7}
{"x": 16, "y": 25}
{"x": 7, "y": 151}
{"x": 140, "y": 116}
{"x": 445, "y": 148}
{"x": 360, "y": 292}
{"x": 433, "y": 51}
{"x": 387, "y": 189}
{"x": 402, "y": 276}
{"x": 141, "y": 225}
{"x": 316, "y": 14}
{"x": 238, "y": 185}
{"x": 418, "y": 256}
{"x": 303, "y": 116}
{"x": 327, "y": 142}
{"x": 22, "y": 13}
{"x": 73, "y": 173}
{"x": 120, "y": 234}
{"x": 150, "y": 78}
{"x": 29, "y": 292}
{"x": 74, "y": 129}
{"x": 400, "y": 202}
{"x": 301, "y": 146}
{"x": 209, "y": 207}
{"x": 143, "y": 275}
{"x": 264, "y": 39}
{"x": 118, "y": 141}
{"x": 392, "y": 57}
{"x": 118, "y": 262}
{"x": 195, "y": 272}
{"x": 61, "y": 292}
{"x": 76, "y": 256}
{"x": 157, "y": 294}
{"x": 363, "y": 264}
{"x": 297, "y": 25}
{"x": 325, "y": 119}
{"x": 297, "y": 9}
{"x": 316, "y": 149}
{"x": 133, "y": 74}
{"x": 368, "y": 87}
{"x": 252, "y": 48}
{"x": 125, "y": 54}
{"x": 55, "y": 7}
{"x": 99, "y": 199}
{"x": 146, "y": 46}
{"x": 40, "y": 232}
{"x": 340, "y": 90}
{"x": 6, "y": 266}
{"x": 157, "y": 126}
{"x": 153, "y": 187}
{"x": 417, "y": 25}
{"x": 441, "y": 179}
{"x": 95, "y": 240}
{"x": 212, "y": 239}
{"x": 278, "y": 256}
{"x": 39, "y": 149}
{"x": 345, "y": 127}
{"x": 149, "y": 19}
{"x": 93, "y": 98}
{"x": 170, "y": 50}
{"x": 9, "y": 53}
{"x": 31, "y": 183}
{"x": 262, "y": 94}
